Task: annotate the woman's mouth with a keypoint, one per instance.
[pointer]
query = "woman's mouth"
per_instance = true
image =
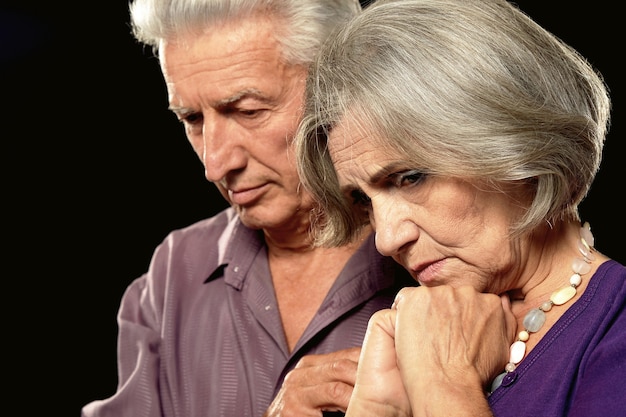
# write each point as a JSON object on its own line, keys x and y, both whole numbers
{"x": 426, "y": 273}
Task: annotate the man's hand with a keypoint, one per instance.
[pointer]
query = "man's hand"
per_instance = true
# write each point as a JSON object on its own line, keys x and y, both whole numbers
{"x": 318, "y": 383}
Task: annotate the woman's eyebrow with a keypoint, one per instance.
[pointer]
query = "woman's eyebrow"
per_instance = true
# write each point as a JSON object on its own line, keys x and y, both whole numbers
{"x": 383, "y": 172}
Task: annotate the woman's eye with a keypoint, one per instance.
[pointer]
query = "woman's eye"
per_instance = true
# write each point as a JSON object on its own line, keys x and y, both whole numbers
{"x": 359, "y": 198}
{"x": 412, "y": 177}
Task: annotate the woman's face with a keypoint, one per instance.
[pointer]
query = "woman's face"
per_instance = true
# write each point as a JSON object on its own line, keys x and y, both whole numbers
{"x": 442, "y": 230}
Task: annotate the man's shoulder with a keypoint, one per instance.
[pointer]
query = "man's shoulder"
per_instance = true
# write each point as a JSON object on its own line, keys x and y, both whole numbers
{"x": 208, "y": 228}
{"x": 198, "y": 247}
{"x": 201, "y": 236}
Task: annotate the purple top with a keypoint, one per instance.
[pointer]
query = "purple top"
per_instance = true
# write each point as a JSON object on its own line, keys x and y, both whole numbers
{"x": 200, "y": 333}
{"x": 578, "y": 367}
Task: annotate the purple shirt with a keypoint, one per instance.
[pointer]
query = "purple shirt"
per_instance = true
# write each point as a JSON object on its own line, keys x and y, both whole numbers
{"x": 200, "y": 333}
{"x": 578, "y": 367}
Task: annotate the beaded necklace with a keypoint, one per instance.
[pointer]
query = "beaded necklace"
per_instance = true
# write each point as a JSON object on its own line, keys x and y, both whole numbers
{"x": 535, "y": 318}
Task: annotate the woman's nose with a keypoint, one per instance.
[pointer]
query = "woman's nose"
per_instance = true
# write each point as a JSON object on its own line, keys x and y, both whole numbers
{"x": 394, "y": 227}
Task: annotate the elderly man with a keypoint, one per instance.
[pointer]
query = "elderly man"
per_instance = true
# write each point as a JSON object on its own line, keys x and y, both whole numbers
{"x": 233, "y": 304}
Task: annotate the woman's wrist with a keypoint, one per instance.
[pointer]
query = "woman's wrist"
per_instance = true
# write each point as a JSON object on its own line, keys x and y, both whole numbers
{"x": 360, "y": 407}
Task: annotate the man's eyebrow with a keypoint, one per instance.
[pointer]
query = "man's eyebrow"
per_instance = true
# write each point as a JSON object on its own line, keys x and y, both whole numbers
{"x": 225, "y": 102}
{"x": 240, "y": 95}
{"x": 180, "y": 110}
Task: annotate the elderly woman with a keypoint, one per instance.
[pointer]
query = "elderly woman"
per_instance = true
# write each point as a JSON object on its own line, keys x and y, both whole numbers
{"x": 467, "y": 135}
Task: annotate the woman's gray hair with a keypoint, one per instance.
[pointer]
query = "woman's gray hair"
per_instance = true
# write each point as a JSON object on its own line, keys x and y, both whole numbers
{"x": 301, "y": 25}
{"x": 470, "y": 89}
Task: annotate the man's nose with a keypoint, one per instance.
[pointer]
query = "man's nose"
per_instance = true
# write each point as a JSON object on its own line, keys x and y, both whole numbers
{"x": 222, "y": 149}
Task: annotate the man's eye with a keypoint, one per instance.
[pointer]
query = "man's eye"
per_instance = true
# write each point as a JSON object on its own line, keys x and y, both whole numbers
{"x": 235, "y": 110}
{"x": 359, "y": 198}
{"x": 191, "y": 118}
{"x": 412, "y": 177}
{"x": 248, "y": 112}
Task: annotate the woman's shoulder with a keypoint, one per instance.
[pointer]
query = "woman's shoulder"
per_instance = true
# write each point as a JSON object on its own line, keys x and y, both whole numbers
{"x": 614, "y": 271}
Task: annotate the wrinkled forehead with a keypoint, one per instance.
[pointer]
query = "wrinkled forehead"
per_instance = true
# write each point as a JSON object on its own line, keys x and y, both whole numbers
{"x": 357, "y": 152}
{"x": 353, "y": 131}
{"x": 346, "y": 137}
{"x": 228, "y": 37}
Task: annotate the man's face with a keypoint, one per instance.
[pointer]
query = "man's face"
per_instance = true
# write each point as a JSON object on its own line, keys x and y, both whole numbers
{"x": 240, "y": 105}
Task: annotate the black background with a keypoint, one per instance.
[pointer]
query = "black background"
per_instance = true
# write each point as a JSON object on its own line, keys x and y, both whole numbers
{"x": 97, "y": 172}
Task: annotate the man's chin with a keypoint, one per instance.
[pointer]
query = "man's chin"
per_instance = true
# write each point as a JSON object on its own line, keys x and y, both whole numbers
{"x": 249, "y": 216}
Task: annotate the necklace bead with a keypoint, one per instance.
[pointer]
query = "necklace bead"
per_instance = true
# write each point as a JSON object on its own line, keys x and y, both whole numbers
{"x": 535, "y": 318}
{"x": 546, "y": 306}
{"x": 563, "y": 295}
